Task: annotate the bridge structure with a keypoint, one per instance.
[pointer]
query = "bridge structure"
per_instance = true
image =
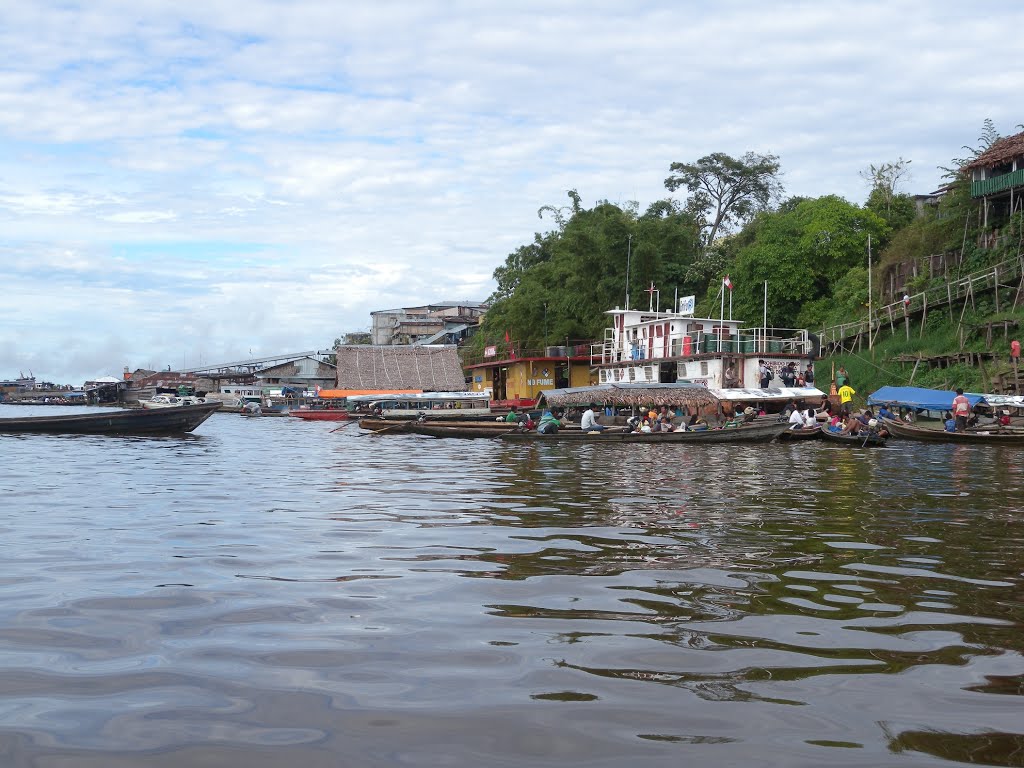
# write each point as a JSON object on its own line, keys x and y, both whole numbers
{"x": 252, "y": 365}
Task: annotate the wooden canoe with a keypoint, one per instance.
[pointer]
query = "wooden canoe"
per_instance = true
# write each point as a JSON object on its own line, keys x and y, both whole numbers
{"x": 853, "y": 441}
{"x": 751, "y": 433}
{"x": 140, "y": 421}
{"x": 801, "y": 434}
{"x": 322, "y": 415}
{"x": 992, "y": 437}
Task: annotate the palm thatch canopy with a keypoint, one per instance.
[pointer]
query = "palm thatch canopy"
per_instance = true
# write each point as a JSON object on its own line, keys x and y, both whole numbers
{"x": 1002, "y": 151}
{"x": 396, "y": 368}
{"x": 632, "y": 395}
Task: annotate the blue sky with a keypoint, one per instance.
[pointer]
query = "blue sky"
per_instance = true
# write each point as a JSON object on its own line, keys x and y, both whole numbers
{"x": 185, "y": 182}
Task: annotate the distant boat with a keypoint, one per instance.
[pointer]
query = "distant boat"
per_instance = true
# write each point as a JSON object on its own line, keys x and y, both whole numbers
{"x": 158, "y": 421}
{"x": 171, "y": 401}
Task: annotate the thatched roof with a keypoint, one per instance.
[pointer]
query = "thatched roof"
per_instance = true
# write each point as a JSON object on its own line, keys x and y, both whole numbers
{"x": 1002, "y": 151}
{"x": 632, "y": 394}
{"x": 391, "y": 368}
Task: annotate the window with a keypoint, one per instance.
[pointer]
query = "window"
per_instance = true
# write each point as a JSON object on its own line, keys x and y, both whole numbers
{"x": 632, "y": 374}
{"x": 704, "y": 368}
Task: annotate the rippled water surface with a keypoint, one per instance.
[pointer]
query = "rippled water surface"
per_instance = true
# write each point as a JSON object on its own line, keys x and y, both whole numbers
{"x": 268, "y": 592}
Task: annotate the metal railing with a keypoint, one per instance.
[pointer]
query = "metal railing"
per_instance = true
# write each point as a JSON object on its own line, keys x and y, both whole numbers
{"x": 748, "y": 341}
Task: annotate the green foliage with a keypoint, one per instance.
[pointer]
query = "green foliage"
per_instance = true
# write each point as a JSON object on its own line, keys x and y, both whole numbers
{"x": 724, "y": 190}
{"x": 804, "y": 253}
{"x": 561, "y": 285}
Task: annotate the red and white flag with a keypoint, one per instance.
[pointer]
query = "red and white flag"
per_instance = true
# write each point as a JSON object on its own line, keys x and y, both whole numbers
{"x": 727, "y": 282}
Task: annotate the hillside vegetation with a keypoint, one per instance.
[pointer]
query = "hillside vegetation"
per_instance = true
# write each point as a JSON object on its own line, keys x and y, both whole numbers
{"x": 812, "y": 252}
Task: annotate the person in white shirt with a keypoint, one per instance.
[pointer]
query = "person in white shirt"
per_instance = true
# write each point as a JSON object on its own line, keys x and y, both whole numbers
{"x": 810, "y": 418}
{"x": 589, "y": 421}
{"x": 796, "y": 419}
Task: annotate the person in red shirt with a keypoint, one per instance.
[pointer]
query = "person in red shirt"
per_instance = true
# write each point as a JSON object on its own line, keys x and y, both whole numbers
{"x": 1014, "y": 351}
{"x": 961, "y": 410}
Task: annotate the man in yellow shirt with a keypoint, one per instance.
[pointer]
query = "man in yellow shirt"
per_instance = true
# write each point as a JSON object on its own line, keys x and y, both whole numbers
{"x": 846, "y": 393}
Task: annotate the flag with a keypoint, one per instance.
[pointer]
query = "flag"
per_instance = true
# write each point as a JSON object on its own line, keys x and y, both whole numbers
{"x": 727, "y": 282}
{"x": 507, "y": 339}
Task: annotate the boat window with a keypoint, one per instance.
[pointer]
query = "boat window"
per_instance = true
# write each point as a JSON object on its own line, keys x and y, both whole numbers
{"x": 704, "y": 368}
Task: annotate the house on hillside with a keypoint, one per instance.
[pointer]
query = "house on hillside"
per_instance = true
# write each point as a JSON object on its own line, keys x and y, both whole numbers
{"x": 388, "y": 368}
{"x": 447, "y": 322}
{"x": 997, "y": 179}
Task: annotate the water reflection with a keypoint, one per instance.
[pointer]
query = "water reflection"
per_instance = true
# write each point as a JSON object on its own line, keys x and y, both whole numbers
{"x": 273, "y": 591}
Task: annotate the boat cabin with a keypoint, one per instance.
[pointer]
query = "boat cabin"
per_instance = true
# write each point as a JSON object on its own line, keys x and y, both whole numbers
{"x": 665, "y": 347}
{"x": 460, "y": 404}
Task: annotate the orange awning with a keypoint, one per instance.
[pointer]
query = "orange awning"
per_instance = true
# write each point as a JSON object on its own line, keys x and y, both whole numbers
{"x": 332, "y": 394}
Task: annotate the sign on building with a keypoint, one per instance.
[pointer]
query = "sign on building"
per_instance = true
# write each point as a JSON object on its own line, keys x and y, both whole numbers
{"x": 687, "y": 305}
{"x": 491, "y": 351}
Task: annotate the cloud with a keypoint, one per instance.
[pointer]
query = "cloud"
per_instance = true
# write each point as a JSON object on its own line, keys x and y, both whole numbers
{"x": 184, "y": 181}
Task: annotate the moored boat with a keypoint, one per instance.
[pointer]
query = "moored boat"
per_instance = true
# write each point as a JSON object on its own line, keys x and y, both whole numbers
{"x": 321, "y": 415}
{"x": 993, "y": 436}
{"x": 159, "y": 421}
{"x": 805, "y": 433}
{"x": 171, "y": 401}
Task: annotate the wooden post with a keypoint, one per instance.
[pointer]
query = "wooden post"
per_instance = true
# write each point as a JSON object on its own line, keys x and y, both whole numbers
{"x": 996, "y": 281}
{"x": 949, "y": 298}
{"x": 913, "y": 373}
{"x": 924, "y": 314}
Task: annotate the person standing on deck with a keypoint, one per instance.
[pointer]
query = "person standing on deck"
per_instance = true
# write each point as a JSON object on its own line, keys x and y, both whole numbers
{"x": 842, "y": 377}
{"x": 809, "y": 375}
{"x": 961, "y": 410}
{"x": 589, "y": 421}
{"x": 765, "y": 373}
{"x": 731, "y": 382}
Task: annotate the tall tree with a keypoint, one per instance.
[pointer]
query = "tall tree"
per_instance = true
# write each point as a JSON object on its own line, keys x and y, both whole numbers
{"x": 725, "y": 190}
{"x": 884, "y": 180}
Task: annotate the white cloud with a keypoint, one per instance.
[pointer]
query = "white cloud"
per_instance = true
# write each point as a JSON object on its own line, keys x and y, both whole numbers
{"x": 273, "y": 175}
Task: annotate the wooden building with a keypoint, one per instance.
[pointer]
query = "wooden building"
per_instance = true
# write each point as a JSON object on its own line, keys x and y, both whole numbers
{"x": 997, "y": 179}
{"x": 514, "y": 376}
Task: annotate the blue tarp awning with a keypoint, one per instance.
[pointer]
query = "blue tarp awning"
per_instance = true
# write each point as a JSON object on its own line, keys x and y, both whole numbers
{"x": 916, "y": 397}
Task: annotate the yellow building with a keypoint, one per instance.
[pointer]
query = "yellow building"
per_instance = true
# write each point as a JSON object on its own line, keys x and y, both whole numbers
{"x": 517, "y": 377}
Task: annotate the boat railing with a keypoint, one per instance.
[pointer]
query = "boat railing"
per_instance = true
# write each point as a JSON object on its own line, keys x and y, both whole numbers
{"x": 746, "y": 341}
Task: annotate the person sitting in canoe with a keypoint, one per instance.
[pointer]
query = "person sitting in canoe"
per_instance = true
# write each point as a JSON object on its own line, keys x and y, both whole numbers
{"x": 551, "y": 421}
{"x": 948, "y": 422}
{"x": 589, "y": 421}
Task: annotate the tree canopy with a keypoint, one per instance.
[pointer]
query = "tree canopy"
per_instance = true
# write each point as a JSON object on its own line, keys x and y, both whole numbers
{"x": 725, "y": 191}
{"x": 560, "y": 285}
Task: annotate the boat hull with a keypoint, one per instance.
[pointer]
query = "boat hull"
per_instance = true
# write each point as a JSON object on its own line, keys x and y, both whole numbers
{"x": 321, "y": 415}
{"x": 907, "y": 432}
{"x": 801, "y": 434}
{"x": 754, "y": 433}
{"x": 853, "y": 441}
{"x": 157, "y": 421}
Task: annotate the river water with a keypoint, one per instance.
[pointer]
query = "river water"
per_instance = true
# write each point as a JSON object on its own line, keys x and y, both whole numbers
{"x": 267, "y": 592}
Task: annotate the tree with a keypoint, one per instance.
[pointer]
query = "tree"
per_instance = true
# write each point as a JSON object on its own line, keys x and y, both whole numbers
{"x": 884, "y": 180}
{"x": 726, "y": 191}
{"x": 806, "y": 254}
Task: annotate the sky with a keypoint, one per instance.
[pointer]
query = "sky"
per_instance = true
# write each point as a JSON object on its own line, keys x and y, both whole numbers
{"x": 187, "y": 183}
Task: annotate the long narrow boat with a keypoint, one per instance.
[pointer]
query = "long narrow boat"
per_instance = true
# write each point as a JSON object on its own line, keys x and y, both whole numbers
{"x": 853, "y": 441}
{"x": 992, "y": 437}
{"x": 141, "y": 421}
{"x": 479, "y": 429}
{"x": 372, "y": 423}
{"x": 752, "y": 433}
{"x": 321, "y": 415}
